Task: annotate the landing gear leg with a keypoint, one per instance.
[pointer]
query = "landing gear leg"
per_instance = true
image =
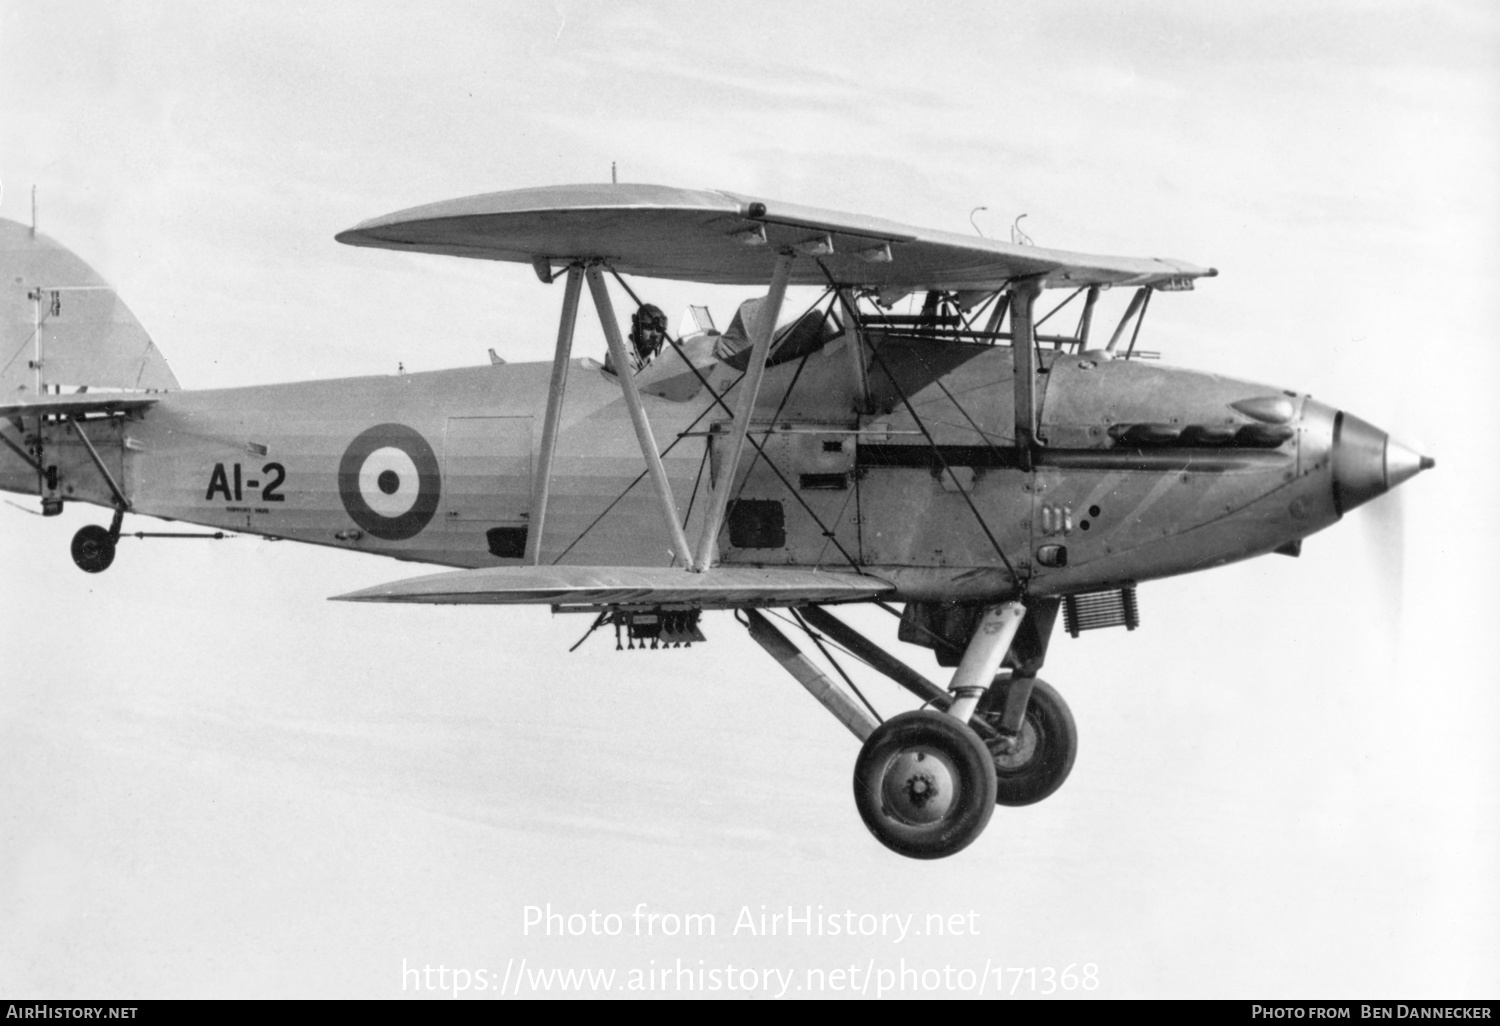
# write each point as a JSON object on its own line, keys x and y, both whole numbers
{"x": 925, "y": 782}
{"x": 94, "y": 546}
{"x": 924, "y": 779}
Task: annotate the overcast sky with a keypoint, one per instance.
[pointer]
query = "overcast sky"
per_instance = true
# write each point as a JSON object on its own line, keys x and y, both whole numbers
{"x": 213, "y": 782}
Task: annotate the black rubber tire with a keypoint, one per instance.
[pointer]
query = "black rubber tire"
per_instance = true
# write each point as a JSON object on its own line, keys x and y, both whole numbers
{"x": 966, "y": 762}
{"x": 93, "y": 549}
{"x": 1050, "y": 744}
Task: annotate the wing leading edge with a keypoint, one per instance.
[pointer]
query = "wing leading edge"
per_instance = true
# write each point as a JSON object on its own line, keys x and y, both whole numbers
{"x": 725, "y": 238}
{"x": 644, "y": 587}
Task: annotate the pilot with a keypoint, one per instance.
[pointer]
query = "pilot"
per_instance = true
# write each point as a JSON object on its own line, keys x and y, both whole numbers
{"x": 648, "y": 330}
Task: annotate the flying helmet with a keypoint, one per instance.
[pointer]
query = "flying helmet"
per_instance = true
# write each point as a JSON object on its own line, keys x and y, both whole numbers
{"x": 647, "y": 316}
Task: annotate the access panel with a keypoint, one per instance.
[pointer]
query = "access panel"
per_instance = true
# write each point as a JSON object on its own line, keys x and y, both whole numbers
{"x": 782, "y": 517}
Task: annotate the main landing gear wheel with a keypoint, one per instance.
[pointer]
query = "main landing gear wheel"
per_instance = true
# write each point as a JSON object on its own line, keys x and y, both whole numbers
{"x": 924, "y": 784}
{"x": 93, "y": 549}
{"x": 1031, "y": 765}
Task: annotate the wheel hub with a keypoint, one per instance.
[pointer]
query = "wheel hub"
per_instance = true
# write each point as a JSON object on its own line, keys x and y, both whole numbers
{"x": 919, "y": 786}
{"x": 1012, "y": 751}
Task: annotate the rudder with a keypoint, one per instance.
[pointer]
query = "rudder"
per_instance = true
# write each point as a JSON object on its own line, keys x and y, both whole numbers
{"x": 63, "y": 327}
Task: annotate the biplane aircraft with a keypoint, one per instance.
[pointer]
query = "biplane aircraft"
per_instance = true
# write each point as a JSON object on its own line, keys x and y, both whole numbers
{"x": 970, "y": 469}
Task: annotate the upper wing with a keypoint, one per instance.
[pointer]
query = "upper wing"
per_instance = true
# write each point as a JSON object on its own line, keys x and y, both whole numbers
{"x": 724, "y": 238}
{"x": 646, "y": 587}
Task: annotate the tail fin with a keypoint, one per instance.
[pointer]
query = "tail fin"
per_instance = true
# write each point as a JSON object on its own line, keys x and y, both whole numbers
{"x": 62, "y": 327}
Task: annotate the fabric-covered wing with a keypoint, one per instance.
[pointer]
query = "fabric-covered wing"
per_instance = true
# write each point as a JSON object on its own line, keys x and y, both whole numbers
{"x": 723, "y": 238}
{"x": 644, "y": 587}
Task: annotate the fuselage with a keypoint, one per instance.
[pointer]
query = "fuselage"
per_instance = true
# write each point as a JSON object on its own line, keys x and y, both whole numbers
{"x": 910, "y": 473}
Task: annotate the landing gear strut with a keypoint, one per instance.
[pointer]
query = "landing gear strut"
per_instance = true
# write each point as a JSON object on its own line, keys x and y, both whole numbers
{"x": 926, "y": 782}
{"x": 94, "y": 546}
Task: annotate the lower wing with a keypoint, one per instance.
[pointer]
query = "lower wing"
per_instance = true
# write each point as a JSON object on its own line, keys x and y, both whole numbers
{"x": 622, "y": 586}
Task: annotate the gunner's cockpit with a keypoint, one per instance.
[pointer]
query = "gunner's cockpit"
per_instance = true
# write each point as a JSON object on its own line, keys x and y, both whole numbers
{"x": 661, "y": 363}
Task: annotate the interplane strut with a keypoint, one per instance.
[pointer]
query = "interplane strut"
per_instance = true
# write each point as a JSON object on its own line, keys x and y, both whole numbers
{"x": 555, "y": 390}
{"x": 638, "y": 415}
{"x": 765, "y": 327}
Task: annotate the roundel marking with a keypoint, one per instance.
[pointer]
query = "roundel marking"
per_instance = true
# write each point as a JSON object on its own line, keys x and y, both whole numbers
{"x": 390, "y": 482}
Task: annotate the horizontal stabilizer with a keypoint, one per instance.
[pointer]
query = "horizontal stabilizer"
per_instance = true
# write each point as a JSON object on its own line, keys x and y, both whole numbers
{"x": 85, "y": 402}
{"x": 717, "y": 588}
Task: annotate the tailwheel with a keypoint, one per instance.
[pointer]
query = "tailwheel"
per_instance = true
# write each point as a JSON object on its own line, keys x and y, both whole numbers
{"x": 93, "y": 548}
{"x": 924, "y": 784}
{"x": 1033, "y": 761}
